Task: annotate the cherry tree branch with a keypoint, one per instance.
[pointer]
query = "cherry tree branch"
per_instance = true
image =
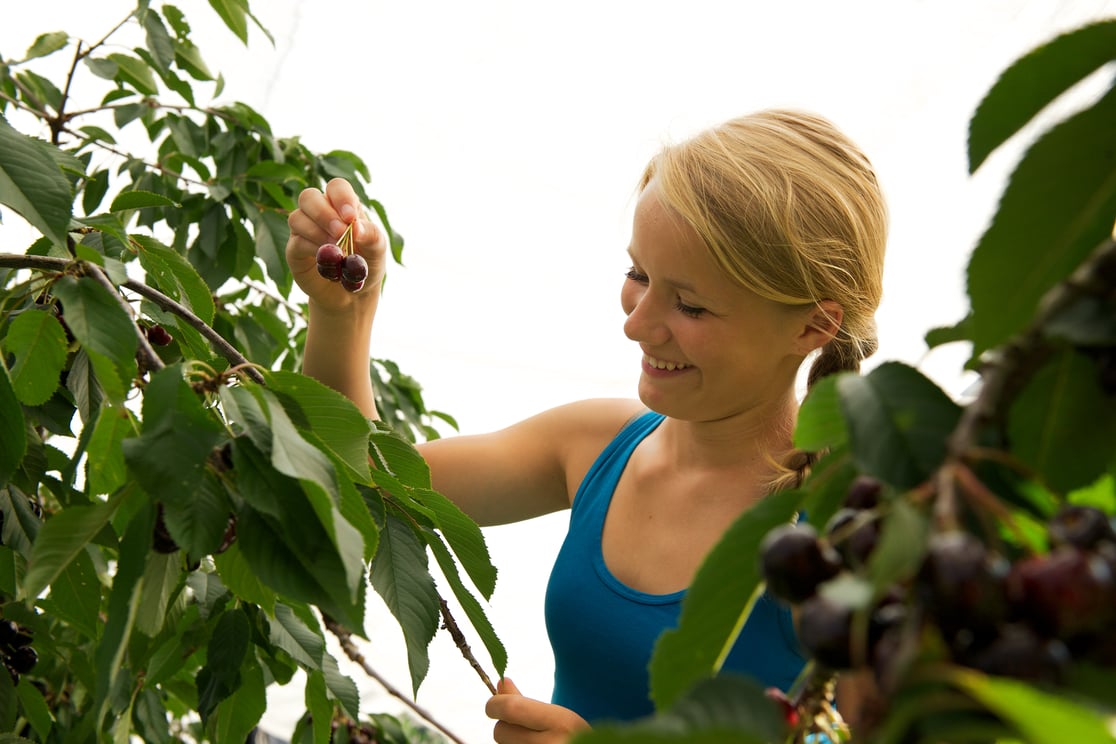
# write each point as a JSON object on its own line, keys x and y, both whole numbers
{"x": 349, "y": 647}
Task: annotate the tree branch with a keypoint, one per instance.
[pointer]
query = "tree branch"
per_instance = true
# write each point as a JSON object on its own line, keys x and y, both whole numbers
{"x": 350, "y": 649}
{"x": 223, "y": 347}
{"x": 149, "y": 355}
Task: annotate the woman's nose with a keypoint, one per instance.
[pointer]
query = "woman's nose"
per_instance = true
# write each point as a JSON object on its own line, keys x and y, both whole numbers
{"x": 645, "y": 323}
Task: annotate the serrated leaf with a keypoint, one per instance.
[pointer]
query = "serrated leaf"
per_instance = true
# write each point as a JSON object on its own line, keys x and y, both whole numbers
{"x": 306, "y": 645}
{"x": 718, "y": 603}
{"x": 136, "y": 199}
{"x": 197, "y": 521}
{"x": 159, "y": 42}
{"x": 898, "y": 422}
{"x": 60, "y": 540}
{"x": 21, "y": 526}
{"x": 1057, "y": 208}
{"x": 234, "y": 14}
{"x": 400, "y": 576}
{"x": 319, "y": 707}
{"x": 13, "y": 433}
{"x": 464, "y": 536}
{"x": 38, "y": 342}
{"x": 175, "y": 276}
{"x": 105, "y": 467}
{"x": 1033, "y": 81}
{"x": 272, "y": 232}
{"x": 398, "y": 458}
{"x": 35, "y": 708}
{"x": 47, "y": 43}
{"x": 332, "y": 417}
{"x": 168, "y": 458}
{"x": 32, "y": 184}
{"x": 473, "y": 610}
{"x": 1063, "y": 424}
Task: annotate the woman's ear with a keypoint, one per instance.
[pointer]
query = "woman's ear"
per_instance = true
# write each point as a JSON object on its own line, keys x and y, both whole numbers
{"x": 823, "y": 321}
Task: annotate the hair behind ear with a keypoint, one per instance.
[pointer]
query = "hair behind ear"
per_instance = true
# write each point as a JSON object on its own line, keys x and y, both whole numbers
{"x": 842, "y": 354}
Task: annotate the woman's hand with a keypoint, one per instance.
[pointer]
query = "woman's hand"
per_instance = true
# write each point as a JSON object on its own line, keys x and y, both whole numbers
{"x": 521, "y": 720}
{"x": 322, "y": 218}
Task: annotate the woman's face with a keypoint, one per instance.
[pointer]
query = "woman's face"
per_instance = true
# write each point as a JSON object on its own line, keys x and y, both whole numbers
{"x": 711, "y": 349}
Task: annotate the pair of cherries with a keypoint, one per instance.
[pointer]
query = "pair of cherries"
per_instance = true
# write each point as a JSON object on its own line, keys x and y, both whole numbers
{"x": 339, "y": 263}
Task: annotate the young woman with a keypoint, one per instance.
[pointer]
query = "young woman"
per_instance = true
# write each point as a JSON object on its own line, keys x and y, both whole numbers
{"x": 754, "y": 245}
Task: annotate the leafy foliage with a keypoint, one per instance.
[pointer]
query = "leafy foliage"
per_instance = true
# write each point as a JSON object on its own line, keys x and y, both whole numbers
{"x": 184, "y": 514}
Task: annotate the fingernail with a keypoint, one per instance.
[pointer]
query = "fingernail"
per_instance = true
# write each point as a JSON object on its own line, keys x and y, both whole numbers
{"x": 347, "y": 212}
{"x": 336, "y": 228}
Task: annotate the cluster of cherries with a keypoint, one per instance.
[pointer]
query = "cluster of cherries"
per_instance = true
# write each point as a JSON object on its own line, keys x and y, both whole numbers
{"x": 339, "y": 263}
{"x": 15, "y": 649}
{"x": 1026, "y": 617}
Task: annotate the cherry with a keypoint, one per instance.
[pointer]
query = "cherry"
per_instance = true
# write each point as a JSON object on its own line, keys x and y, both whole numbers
{"x": 159, "y": 336}
{"x": 963, "y": 584}
{"x": 825, "y": 630}
{"x": 354, "y": 270}
{"x": 863, "y": 492}
{"x": 22, "y": 660}
{"x": 1021, "y": 653}
{"x": 1080, "y": 526}
{"x": 330, "y": 257}
{"x": 794, "y": 562}
{"x": 1068, "y": 593}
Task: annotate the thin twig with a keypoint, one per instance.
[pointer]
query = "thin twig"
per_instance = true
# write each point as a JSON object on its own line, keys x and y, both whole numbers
{"x": 458, "y": 637}
{"x": 346, "y": 639}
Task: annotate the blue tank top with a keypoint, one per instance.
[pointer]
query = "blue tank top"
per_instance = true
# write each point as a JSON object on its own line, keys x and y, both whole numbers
{"x": 603, "y": 631}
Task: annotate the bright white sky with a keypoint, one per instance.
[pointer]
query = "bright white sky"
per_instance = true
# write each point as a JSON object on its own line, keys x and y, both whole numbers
{"x": 505, "y": 139}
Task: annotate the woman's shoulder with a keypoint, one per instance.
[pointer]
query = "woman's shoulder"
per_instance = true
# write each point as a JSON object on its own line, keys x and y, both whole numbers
{"x": 594, "y": 417}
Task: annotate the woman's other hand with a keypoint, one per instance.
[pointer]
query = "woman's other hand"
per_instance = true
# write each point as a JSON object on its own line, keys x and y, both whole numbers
{"x": 521, "y": 720}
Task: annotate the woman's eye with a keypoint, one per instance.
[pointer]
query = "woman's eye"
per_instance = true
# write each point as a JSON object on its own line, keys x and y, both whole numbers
{"x": 689, "y": 310}
{"x": 635, "y": 276}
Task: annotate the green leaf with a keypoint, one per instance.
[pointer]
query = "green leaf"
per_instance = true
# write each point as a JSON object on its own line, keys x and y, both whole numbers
{"x": 473, "y": 610}
{"x": 820, "y": 422}
{"x": 220, "y": 677}
{"x": 1055, "y": 211}
{"x": 237, "y": 715}
{"x": 306, "y": 645}
{"x": 241, "y": 581}
{"x": 176, "y": 277}
{"x": 1040, "y": 717}
{"x": 898, "y": 423}
{"x": 960, "y": 331}
{"x": 160, "y": 579}
{"x": 333, "y": 417}
{"x": 32, "y": 184}
{"x": 464, "y": 536}
{"x": 901, "y": 547}
{"x": 21, "y": 525}
{"x": 134, "y": 72}
{"x": 98, "y": 321}
{"x": 136, "y": 199}
{"x": 168, "y": 459}
{"x": 35, "y": 707}
{"x": 75, "y": 596}
{"x": 398, "y": 458}
{"x": 1063, "y": 424}
{"x": 105, "y": 467}
{"x": 38, "y": 342}
{"x": 159, "y": 41}
{"x": 235, "y": 15}
{"x": 60, "y": 540}
{"x": 46, "y": 44}
{"x": 197, "y": 521}
{"x": 13, "y": 433}
{"x": 272, "y": 233}
{"x": 319, "y": 707}
{"x": 718, "y": 602}
{"x": 1034, "y": 81}
{"x": 401, "y": 577}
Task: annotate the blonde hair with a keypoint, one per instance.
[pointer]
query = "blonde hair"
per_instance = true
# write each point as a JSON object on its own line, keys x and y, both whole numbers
{"x": 791, "y": 209}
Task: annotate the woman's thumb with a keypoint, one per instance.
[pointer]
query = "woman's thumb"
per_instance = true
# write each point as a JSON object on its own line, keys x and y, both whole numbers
{"x": 506, "y": 687}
